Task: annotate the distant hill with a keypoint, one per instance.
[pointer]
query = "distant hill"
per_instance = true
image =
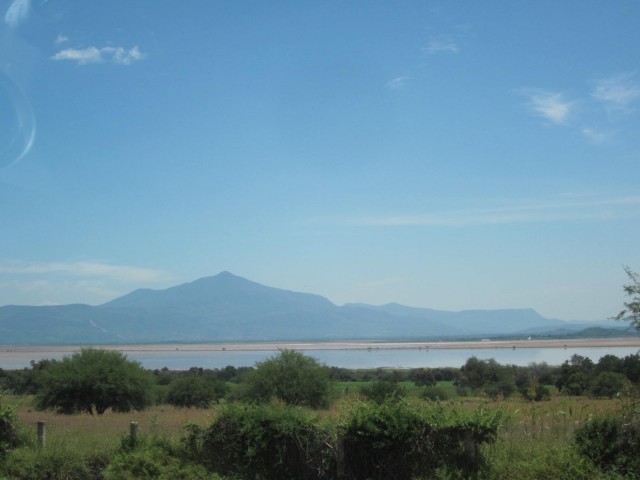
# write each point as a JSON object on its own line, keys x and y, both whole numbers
{"x": 226, "y": 307}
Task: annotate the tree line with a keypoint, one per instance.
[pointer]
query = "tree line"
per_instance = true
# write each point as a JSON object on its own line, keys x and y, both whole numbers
{"x": 94, "y": 380}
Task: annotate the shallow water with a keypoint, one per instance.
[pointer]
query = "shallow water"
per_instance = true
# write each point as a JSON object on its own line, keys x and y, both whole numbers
{"x": 348, "y": 358}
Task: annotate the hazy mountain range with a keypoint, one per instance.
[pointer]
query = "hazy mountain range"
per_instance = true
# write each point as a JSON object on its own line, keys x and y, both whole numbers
{"x": 226, "y": 307}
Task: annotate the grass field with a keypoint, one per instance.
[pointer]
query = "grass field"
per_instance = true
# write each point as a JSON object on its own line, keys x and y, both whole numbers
{"x": 557, "y": 417}
{"x": 534, "y": 442}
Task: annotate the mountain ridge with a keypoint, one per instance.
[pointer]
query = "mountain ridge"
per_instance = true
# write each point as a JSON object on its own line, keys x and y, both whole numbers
{"x": 226, "y": 307}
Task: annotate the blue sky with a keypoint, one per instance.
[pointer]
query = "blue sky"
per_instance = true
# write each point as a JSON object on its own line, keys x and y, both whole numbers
{"x": 451, "y": 155}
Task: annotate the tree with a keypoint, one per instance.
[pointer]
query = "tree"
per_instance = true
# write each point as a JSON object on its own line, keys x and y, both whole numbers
{"x": 487, "y": 376}
{"x": 291, "y": 377}
{"x": 197, "y": 392}
{"x": 94, "y": 380}
{"x": 631, "y": 312}
{"x": 575, "y": 375}
{"x": 423, "y": 377}
{"x": 608, "y": 384}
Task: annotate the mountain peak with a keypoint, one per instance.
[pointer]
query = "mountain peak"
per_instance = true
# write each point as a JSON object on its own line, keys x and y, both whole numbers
{"x": 228, "y": 307}
{"x": 225, "y": 274}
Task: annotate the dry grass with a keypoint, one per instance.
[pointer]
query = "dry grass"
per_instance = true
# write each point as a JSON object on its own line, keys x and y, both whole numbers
{"x": 110, "y": 427}
{"x": 560, "y": 415}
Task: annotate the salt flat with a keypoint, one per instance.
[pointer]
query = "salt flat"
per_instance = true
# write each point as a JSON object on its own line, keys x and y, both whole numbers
{"x": 336, "y": 345}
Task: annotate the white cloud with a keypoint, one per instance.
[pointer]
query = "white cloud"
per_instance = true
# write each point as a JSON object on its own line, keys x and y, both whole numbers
{"x": 595, "y": 209}
{"x": 61, "y": 39}
{"x": 595, "y": 136}
{"x": 441, "y": 45}
{"x": 117, "y": 55}
{"x": 618, "y": 90}
{"x": 17, "y": 12}
{"x": 397, "y": 83}
{"x": 549, "y": 105}
{"x": 82, "y": 56}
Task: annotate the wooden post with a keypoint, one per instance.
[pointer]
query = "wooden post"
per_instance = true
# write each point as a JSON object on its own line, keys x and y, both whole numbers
{"x": 133, "y": 433}
{"x": 340, "y": 454}
{"x": 42, "y": 434}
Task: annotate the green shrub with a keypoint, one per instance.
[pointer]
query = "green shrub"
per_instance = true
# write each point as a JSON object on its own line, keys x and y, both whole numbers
{"x": 197, "y": 392}
{"x": 612, "y": 443}
{"x": 381, "y": 390}
{"x": 394, "y": 440}
{"x": 607, "y": 384}
{"x": 289, "y": 377}
{"x": 265, "y": 441}
{"x": 385, "y": 441}
{"x": 435, "y": 394}
{"x": 53, "y": 464}
{"x": 153, "y": 459}
{"x": 423, "y": 377}
{"x": 9, "y": 437}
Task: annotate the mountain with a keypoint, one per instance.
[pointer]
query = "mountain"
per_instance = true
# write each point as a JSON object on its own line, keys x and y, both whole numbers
{"x": 226, "y": 307}
{"x": 474, "y": 322}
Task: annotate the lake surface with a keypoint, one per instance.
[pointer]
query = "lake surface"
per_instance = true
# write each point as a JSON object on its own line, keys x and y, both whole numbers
{"x": 178, "y": 359}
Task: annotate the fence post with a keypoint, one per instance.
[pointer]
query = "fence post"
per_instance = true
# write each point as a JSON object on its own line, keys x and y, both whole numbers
{"x": 133, "y": 433}
{"x": 42, "y": 434}
{"x": 340, "y": 454}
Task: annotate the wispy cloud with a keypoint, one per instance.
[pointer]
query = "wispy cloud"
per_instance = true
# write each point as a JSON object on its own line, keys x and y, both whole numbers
{"x": 595, "y": 136}
{"x": 397, "y": 83}
{"x": 85, "y": 56}
{"x": 17, "y": 12}
{"x": 618, "y": 91}
{"x": 584, "y": 209}
{"x": 51, "y": 283}
{"x": 83, "y": 269}
{"x": 61, "y": 39}
{"x": 441, "y": 45}
{"x": 549, "y": 105}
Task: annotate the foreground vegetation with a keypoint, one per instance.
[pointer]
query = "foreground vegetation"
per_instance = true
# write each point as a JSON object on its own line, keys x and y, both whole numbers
{"x": 534, "y": 440}
{"x": 290, "y": 417}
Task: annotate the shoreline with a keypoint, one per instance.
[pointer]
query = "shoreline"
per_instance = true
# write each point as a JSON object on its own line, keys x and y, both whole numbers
{"x": 334, "y": 345}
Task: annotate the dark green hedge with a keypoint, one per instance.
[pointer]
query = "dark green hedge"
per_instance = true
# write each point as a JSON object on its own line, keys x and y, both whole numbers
{"x": 391, "y": 440}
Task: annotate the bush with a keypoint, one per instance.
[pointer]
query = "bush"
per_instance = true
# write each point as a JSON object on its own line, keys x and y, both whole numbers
{"x": 435, "y": 394}
{"x": 394, "y": 440}
{"x": 152, "y": 459}
{"x": 381, "y": 390}
{"x": 290, "y": 377}
{"x": 386, "y": 441}
{"x": 423, "y": 377}
{"x": 9, "y": 437}
{"x": 53, "y": 464}
{"x": 266, "y": 442}
{"x": 608, "y": 384}
{"x": 535, "y": 392}
{"x": 197, "y": 392}
{"x": 488, "y": 377}
{"x": 611, "y": 443}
